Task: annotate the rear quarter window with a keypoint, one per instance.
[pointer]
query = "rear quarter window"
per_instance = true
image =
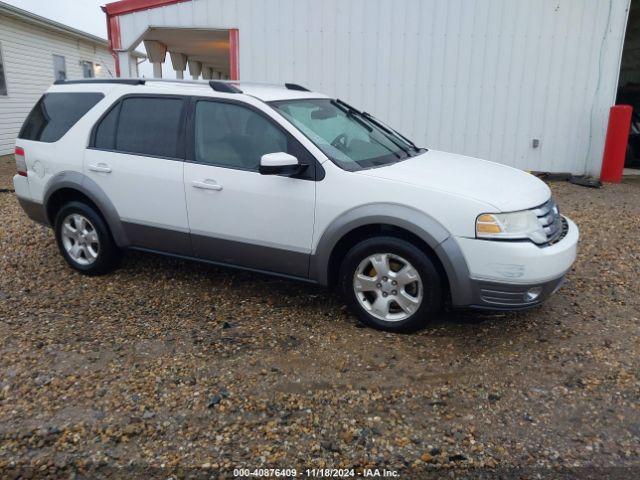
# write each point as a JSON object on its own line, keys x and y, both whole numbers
{"x": 55, "y": 114}
{"x": 143, "y": 125}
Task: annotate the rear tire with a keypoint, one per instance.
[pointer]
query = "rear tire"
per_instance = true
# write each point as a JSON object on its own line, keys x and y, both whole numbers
{"x": 84, "y": 239}
{"x": 391, "y": 284}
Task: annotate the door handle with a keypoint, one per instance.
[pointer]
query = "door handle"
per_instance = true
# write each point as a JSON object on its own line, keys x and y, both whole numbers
{"x": 207, "y": 185}
{"x": 101, "y": 167}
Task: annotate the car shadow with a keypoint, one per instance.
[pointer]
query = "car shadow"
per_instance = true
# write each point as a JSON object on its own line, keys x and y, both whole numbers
{"x": 296, "y": 293}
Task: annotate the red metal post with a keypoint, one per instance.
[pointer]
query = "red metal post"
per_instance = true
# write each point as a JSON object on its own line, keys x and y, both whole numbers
{"x": 234, "y": 54}
{"x": 615, "y": 147}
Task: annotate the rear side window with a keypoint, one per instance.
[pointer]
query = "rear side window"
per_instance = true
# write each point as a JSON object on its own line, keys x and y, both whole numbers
{"x": 55, "y": 114}
{"x": 143, "y": 125}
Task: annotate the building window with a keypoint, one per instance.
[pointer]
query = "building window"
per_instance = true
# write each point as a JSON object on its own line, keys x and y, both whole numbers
{"x": 3, "y": 80}
{"x": 59, "y": 67}
{"x": 87, "y": 69}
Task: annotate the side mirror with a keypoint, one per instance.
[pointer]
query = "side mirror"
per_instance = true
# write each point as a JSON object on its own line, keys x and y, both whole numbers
{"x": 280, "y": 163}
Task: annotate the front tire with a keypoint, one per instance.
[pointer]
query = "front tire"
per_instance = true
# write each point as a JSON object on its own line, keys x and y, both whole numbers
{"x": 84, "y": 239}
{"x": 391, "y": 284}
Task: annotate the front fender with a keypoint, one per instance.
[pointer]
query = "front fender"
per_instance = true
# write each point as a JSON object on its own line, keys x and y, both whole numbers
{"x": 415, "y": 221}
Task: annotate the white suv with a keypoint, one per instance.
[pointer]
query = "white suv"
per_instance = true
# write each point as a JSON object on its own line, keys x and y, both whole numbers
{"x": 282, "y": 180}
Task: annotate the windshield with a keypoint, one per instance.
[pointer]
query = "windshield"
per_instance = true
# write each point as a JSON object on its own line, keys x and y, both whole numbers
{"x": 353, "y": 140}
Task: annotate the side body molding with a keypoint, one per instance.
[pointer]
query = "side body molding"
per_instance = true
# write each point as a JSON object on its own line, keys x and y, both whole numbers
{"x": 432, "y": 232}
{"x": 88, "y": 187}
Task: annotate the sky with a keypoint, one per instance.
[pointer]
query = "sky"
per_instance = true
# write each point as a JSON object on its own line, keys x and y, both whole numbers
{"x": 84, "y": 15}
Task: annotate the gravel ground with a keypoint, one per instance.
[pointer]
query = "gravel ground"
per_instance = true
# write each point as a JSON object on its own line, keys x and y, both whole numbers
{"x": 172, "y": 368}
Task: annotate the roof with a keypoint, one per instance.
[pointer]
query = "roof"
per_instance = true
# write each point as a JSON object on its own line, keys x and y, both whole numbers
{"x": 262, "y": 91}
{"x": 32, "y": 18}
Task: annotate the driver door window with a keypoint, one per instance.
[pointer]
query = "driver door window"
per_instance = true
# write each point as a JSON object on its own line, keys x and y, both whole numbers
{"x": 233, "y": 136}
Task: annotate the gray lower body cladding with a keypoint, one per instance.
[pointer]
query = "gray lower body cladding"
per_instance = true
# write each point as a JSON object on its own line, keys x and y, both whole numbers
{"x": 199, "y": 247}
{"x": 159, "y": 239}
{"x": 268, "y": 259}
{"x": 35, "y": 211}
{"x": 465, "y": 291}
{"x": 219, "y": 251}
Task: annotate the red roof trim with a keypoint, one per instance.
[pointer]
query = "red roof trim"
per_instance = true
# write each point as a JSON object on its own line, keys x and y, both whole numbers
{"x": 128, "y": 6}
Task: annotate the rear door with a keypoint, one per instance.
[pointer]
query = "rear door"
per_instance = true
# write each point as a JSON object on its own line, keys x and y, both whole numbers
{"x": 136, "y": 156}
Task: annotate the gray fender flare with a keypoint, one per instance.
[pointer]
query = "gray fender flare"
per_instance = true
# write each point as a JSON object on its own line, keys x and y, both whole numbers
{"x": 88, "y": 187}
{"x": 419, "y": 223}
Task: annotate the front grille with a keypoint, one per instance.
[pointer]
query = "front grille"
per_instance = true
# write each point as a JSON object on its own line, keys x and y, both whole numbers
{"x": 563, "y": 232}
{"x": 554, "y": 225}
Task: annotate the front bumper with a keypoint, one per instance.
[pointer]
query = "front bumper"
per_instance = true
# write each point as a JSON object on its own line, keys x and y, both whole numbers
{"x": 507, "y": 296}
{"x": 503, "y": 274}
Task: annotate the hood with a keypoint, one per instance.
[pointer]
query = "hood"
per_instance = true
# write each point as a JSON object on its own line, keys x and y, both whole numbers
{"x": 505, "y": 188}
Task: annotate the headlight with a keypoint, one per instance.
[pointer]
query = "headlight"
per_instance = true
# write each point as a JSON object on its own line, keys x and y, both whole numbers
{"x": 510, "y": 226}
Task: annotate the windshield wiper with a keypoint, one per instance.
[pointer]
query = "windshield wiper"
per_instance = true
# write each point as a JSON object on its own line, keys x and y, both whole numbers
{"x": 357, "y": 116}
{"x": 351, "y": 111}
{"x": 390, "y": 130}
{"x": 391, "y": 134}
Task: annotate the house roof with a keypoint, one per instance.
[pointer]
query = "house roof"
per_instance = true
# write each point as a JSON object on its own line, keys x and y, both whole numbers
{"x": 32, "y": 18}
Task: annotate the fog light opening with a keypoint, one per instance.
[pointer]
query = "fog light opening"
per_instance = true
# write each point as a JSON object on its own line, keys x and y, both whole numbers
{"x": 532, "y": 294}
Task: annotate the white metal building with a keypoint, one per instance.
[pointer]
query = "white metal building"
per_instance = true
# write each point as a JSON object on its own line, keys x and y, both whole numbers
{"x": 35, "y": 51}
{"x": 527, "y": 83}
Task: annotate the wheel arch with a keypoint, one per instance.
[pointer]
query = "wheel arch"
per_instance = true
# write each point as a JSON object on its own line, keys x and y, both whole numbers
{"x": 67, "y": 186}
{"x": 408, "y": 223}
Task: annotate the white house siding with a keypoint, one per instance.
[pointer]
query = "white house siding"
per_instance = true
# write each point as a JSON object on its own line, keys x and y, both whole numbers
{"x": 27, "y": 52}
{"x": 478, "y": 77}
{"x": 133, "y": 66}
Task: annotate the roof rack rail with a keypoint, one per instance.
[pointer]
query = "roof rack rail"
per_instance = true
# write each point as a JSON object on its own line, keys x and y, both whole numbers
{"x": 122, "y": 81}
{"x": 224, "y": 87}
{"x": 217, "y": 85}
{"x": 295, "y": 86}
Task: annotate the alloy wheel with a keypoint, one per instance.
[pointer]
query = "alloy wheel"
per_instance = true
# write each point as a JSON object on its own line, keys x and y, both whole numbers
{"x": 80, "y": 239}
{"x": 388, "y": 287}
